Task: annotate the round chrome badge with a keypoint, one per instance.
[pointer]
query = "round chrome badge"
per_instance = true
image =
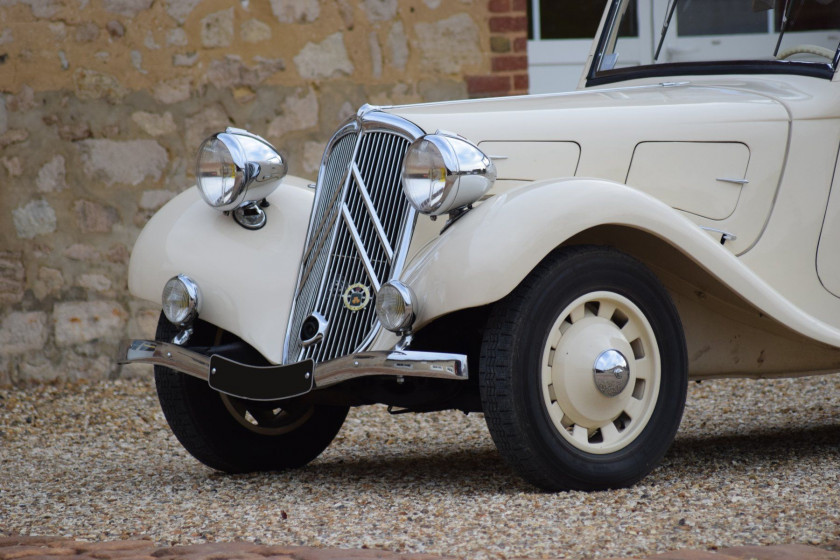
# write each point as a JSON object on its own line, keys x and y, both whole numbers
{"x": 356, "y": 297}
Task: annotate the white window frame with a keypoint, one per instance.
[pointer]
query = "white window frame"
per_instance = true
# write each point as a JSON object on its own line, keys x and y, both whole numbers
{"x": 557, "y": 64}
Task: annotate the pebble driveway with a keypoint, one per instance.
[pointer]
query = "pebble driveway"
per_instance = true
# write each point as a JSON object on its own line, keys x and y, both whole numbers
{"x": 754, "y": 473}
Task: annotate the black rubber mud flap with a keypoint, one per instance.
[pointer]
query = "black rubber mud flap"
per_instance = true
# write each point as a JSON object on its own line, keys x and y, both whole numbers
{"x": 269, "y": 383}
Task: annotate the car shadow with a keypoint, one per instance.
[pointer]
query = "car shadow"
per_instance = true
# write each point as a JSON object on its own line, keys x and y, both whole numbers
{"x": 764, "y": 448}
{"x": 483, "y": 471}
{"x": 457, "y": 472}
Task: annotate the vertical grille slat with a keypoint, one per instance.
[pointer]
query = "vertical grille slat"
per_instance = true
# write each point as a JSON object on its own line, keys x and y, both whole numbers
{"x": 333, "y": 265}
{"x": 393, "y": 197}
{"x": 321, "y": 230}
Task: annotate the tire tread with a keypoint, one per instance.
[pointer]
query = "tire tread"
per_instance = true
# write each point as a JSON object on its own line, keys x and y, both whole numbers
{"x": 510, "y": 426}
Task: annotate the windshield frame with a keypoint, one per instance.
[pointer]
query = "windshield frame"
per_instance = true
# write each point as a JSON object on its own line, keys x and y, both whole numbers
{"x": 606, "y": 39}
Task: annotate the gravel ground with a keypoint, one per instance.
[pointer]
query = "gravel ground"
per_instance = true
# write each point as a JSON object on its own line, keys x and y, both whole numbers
{"x": 755, "y": 462}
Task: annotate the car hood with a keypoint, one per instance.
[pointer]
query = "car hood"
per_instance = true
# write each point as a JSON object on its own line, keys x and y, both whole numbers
{"x": 682, "y": 143}
{"x": 642, "y": 112}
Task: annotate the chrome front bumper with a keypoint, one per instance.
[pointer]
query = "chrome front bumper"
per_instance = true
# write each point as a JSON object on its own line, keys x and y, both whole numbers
{"x": 271, "y": 383}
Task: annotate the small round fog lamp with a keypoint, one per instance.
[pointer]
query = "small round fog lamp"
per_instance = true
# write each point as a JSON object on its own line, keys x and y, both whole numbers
{"x": 395, "y": 306}
{"x": 181, "y": 300}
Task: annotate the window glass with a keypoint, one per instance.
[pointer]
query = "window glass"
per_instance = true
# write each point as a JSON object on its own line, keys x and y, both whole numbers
{"x": 810, "y": 15}
{"x": 719, "y": 17}
{"x": 577, "y": 19}
{"x": 713, "y": 31}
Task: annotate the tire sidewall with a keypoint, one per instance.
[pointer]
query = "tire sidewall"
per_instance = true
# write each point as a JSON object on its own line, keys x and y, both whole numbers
{"x": 238, "y": 449}
{"x": 582, "y": 273}
{"x": 205, "y": 427}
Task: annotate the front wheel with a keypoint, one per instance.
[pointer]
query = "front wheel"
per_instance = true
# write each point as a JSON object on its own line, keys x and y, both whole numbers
{"x": 235, "y": 435}
{"x": 583, "y": 371}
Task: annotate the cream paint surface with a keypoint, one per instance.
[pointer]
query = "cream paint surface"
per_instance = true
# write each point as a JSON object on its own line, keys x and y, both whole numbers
{"x": 696, "y": 177}
{"x": 789, "y": 124}
{"x": 246, "y": 278}
{"x": 506, "y": 225}
{"x": 505, "y": 236}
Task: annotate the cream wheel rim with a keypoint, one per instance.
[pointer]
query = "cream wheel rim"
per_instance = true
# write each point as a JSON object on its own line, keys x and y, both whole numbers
{"x": 590, "y": 418}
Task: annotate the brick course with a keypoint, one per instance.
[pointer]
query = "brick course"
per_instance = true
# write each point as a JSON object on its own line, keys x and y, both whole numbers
{"x": 57, "y": 548}
{"x": 508, "y": 75}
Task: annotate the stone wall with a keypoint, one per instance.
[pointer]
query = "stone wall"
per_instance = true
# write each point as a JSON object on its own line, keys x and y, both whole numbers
{"x": 104, "y": 102}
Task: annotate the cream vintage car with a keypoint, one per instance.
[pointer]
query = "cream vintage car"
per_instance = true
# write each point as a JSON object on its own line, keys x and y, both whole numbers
{"x": 562, "y": 263}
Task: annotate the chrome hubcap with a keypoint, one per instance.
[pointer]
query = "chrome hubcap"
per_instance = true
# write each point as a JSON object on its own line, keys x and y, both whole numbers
{"x": 611, "y": 373}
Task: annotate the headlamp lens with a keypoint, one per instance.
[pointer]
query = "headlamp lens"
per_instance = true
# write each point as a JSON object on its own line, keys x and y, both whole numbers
{"x": 180, "y": 300}
{"x": 443, "y": 172}
{"x": 425, "y": 176}
{"x": 219, "y": 178}
{"x": 395, "y": 307}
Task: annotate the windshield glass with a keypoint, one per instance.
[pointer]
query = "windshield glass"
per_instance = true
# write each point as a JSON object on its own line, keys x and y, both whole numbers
{"x": 795, "y": 35}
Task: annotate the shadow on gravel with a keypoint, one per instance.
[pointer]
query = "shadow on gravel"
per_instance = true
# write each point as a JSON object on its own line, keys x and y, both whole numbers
{"x": 484, "y": 472}
{"x": 814, "y": 440}
{"x": 460, "y": 472}
{"x": 754, "y": 449}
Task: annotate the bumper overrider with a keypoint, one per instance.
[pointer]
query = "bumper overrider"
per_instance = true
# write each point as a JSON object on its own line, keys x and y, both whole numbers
{"x": 271, "y": 383}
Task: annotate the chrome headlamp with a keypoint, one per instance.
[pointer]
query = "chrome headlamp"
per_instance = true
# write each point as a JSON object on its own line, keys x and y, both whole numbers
{"x": 442, "y": 173}
{"x": 235, "y": 168}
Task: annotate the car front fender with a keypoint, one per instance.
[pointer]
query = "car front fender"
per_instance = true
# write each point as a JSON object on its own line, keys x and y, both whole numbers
{"x": 484, "y": 255}
{"x": 247, "y": 278}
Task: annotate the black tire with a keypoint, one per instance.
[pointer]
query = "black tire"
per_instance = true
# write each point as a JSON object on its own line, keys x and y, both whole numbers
{"x": 234, "y": 435}
{"x": 546, "y": 413}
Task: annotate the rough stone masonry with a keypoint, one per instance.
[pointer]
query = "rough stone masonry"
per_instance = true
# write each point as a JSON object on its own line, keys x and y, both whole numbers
{"x": 104, "y": 102}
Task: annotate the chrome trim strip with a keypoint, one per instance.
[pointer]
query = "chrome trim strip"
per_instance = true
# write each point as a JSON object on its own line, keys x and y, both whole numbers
{"x": 724, "y": 235}
{"x": 378, "y": 120}
{"x": 164, "y": 354}
{"x": 377, "y": 225}
{"x": 729, "y": 180}
{"x": 357, "y": 241}
{"x": 401, "y": 363}
{"x": 405, "y": 363}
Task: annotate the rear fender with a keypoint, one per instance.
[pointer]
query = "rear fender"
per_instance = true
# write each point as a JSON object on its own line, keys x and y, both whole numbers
{"x": 247, "y": 278}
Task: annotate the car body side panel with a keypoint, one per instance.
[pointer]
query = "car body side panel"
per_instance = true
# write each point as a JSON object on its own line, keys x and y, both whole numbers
{"x": 828, "y": 263}
{"x": 786, "y": 254}
{"x": 790, "y": 126}
{"x": 485, "y": 255}
{"x": 707, "y": 174}
{"x": 247, "y": 278}
{"x": 529, "y": 161}
{"x": 617, "y": 128}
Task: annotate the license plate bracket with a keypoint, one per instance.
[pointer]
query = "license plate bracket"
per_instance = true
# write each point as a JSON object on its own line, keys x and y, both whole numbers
{"x": 261, "y": 383}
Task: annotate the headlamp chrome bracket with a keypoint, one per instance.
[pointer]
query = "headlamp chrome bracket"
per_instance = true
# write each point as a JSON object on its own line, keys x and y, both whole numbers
{"x": 250, "y": 216}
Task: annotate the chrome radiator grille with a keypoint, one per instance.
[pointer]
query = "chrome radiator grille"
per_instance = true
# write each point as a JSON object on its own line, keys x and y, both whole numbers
{"x": 358, "y": 236}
